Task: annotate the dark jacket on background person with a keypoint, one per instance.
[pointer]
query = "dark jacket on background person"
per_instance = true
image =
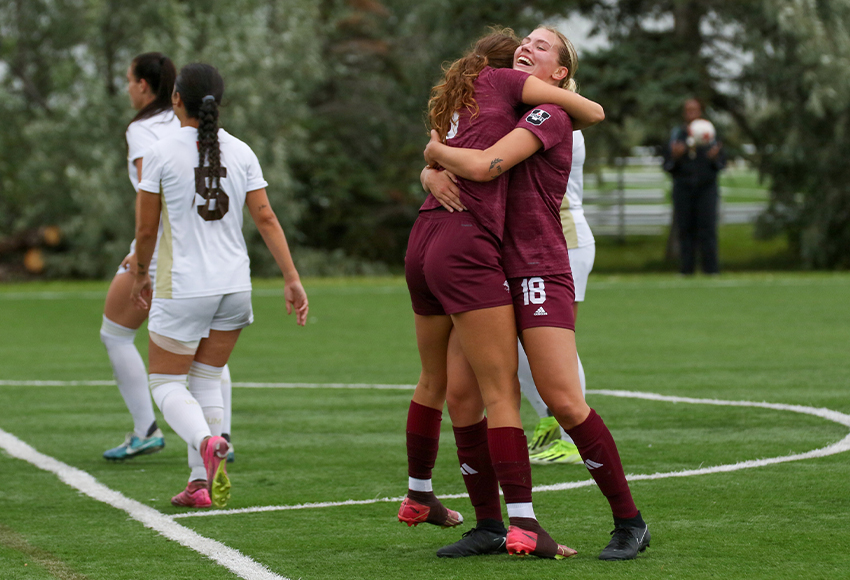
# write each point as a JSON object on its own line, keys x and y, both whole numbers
{"x": 693, "y": 168}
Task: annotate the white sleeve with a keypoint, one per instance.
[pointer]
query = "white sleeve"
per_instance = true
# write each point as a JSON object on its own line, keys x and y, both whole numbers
{"x": 139, "y": 139}
{"x": 254, "y": 173}
{"x": 152, "y": 171}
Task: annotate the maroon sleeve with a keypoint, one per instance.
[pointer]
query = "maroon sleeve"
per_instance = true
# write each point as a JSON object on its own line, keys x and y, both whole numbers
{"x": 549, "y": 123}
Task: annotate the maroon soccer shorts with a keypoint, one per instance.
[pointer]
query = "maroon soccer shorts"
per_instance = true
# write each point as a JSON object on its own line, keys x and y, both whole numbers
{"x": 453, "y": 265}
{"x": 544, "y": 301}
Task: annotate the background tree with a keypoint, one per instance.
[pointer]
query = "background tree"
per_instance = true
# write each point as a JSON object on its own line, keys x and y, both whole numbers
{"x": 774, "y": 73}
{"x": 64, "y": 107}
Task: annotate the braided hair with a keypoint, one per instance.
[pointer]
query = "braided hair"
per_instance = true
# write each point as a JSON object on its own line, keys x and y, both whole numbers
{"x": 159, "y": 72}
{"x": 201, "y": 88}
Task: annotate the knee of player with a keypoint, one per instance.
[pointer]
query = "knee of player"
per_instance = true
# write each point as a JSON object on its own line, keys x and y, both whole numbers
{"x": 112, "y": 333}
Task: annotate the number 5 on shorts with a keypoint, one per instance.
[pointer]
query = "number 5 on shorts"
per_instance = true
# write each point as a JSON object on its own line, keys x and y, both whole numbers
{"x": 533, "y": 291}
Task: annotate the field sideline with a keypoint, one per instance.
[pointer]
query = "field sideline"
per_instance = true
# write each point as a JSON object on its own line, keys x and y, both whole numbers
{"x": 728, "y": 398}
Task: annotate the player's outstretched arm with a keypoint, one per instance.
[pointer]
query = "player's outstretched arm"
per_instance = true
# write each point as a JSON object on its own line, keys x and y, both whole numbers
{"x": 478, "y": 165}
{"x": 584, "y": 112}
{"x": 272, "y": 232}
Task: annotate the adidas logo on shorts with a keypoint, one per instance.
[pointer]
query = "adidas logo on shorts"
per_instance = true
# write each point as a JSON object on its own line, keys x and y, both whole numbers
{"x": 541, "y": 312}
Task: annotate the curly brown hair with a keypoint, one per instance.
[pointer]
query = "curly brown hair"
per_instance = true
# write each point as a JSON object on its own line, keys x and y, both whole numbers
{"x": 456, "y": 91}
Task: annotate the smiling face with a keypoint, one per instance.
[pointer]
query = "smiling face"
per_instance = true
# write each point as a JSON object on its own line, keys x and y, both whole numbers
{"x": 538, "y": 54}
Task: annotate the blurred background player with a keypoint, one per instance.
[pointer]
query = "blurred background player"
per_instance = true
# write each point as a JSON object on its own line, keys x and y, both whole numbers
{"x": 196, "y": 183}
{"x": 550, "y": 444}
{"x": 150, "y": 82}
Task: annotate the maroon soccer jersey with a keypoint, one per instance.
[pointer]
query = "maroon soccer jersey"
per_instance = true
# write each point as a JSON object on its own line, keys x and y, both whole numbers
{"x": 497, "y": 92}
{"x": 534, "y": 243}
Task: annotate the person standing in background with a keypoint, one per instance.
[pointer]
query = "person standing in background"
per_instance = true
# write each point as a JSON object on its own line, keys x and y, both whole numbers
{"x": 694, "y": 164}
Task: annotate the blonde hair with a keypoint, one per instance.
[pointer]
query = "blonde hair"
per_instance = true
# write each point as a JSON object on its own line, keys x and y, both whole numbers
{"x": 457, "y": 91}
{"x": 567, "y": 57}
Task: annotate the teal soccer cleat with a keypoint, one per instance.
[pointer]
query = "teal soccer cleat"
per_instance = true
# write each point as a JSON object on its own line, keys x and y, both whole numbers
{"x": 134, "y": 446}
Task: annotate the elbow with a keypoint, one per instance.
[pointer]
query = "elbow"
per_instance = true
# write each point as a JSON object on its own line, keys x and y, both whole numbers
{"x": 481, "y": 174}
{"x": 267, "y": 221}
{"x": 598, "y": 115}
{"x": 146, "y": 233}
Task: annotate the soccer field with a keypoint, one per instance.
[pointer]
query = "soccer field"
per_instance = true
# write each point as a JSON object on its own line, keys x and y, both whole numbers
{"x": 730, "y": 490}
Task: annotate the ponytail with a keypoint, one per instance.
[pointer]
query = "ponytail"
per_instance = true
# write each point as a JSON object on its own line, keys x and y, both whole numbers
{"x": 208, "y": 146}
{"x": 201, "y": 88}
{"x": 159, "y": 72}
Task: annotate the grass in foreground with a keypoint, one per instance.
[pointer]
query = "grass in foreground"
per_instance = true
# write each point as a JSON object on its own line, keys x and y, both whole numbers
{"x": 775, "y": 338}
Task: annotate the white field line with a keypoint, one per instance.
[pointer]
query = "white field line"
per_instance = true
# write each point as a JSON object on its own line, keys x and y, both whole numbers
{"x": 233, "y": 560}
{"x": 828, "y": 414}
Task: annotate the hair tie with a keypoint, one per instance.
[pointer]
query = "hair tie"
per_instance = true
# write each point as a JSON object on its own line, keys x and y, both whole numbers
{"x": 208, "y": 98}
{"x": 478, "y": 56}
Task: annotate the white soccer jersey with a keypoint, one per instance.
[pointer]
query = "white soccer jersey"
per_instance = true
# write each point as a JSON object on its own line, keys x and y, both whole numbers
{"x": 202, "y": 251}
{"x": 576, "y": 229}
{"x": 142, "y": 134}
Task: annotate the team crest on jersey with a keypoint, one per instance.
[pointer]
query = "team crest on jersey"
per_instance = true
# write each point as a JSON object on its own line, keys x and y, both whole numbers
{"x": 537, "y": 117}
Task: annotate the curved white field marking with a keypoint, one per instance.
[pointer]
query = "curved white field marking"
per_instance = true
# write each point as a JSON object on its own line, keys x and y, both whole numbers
{"x": 839, "y": 447}
{"x": 232, "y": 559}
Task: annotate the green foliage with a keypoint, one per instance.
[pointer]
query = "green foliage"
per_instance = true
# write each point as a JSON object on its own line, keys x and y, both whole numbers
{"x": 62, "y": 90}
{"x": 803, "y": 125}
{"x": 773, "y": 73}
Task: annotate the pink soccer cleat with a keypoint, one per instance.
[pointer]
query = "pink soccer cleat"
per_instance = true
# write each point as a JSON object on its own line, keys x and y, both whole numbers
{"x": 196, "y": 495}
{"x": 214, "y": 453}
{"x": 524, "y": 542}
{"x": 414, "y": 513}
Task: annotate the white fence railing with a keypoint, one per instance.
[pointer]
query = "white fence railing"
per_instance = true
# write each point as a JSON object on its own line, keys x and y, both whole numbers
{"x": 633, "y": 198}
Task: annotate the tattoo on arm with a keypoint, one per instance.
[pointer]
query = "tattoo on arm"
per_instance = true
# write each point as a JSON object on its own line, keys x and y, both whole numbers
{"x": 142, "y": 268}
{"x": 495, "y": 162}
{"x": 262, "y": 207}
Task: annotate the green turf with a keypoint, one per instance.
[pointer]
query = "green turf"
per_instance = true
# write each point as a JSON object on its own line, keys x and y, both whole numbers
{"x": 774, "y": 338}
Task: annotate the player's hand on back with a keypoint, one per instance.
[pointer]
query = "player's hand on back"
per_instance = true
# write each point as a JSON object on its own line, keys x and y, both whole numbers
{"x": 443, "y": 186}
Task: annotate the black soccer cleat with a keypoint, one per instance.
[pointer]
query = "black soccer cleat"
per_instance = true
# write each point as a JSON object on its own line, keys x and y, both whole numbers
{"x": 476, "y": 542}
{"x": 628, "y": 539}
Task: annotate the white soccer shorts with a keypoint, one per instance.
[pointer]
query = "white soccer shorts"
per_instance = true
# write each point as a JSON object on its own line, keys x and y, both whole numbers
{"x": 190, "y": 319}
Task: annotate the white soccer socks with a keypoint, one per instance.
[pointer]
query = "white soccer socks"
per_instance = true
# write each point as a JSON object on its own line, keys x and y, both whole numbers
{"x": 526, "y": 383}
{"x": 180, "y": 409}
{"x": 227, "y": 398}
{"x": 130, "y": 374}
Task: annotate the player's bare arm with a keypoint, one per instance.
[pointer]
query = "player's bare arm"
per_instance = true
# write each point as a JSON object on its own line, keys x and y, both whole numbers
{"x": 584, "y": 112}
{"x": 148, "y": 207}
{"x": 478, "y": 165}
{"x": 272, "y": 233}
